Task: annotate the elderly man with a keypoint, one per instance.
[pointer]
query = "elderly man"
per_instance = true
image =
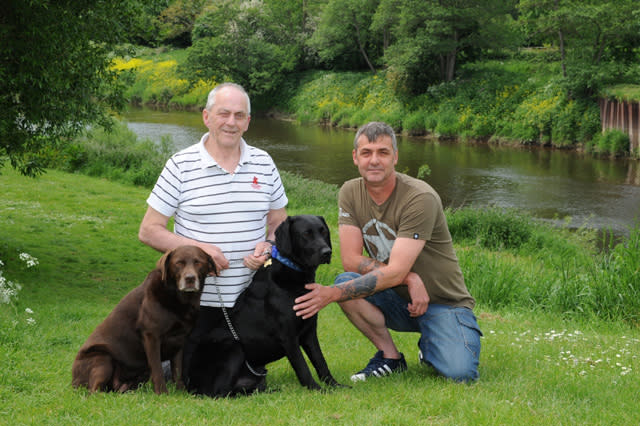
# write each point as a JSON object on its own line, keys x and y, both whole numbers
{"x": 225, "y": 196}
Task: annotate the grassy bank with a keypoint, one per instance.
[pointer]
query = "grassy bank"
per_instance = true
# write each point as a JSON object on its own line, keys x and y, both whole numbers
{"x": 516, "y": 100}
{"x": 538, "y": 364}
{"x": 575, "y": 279}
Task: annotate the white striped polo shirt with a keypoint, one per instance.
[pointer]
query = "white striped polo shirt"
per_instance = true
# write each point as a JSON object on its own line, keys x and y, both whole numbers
{"x": 213, "y": 206}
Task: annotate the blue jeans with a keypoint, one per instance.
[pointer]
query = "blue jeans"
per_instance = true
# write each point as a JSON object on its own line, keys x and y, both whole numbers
{"x": 449, "y": 336}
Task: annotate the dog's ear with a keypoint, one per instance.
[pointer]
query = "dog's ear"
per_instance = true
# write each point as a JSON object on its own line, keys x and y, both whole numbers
{"x": 212, "y": 266}
{"x": 163, "y": 264}
{"x": 283, "y": 236}
{"x": 328, "y": 234}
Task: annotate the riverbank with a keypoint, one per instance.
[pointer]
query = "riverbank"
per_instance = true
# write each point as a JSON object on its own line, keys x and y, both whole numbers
{"x": 566, "y": 254}
{"x": 513, "y": 101}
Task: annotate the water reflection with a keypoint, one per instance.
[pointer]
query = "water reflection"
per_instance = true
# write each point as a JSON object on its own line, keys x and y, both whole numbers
{"x": 549, "y": 184}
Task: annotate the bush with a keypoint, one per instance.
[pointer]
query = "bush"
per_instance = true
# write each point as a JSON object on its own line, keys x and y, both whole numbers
{"x": 413, "y": 123}
{"x": 447, "y": 124}
{"x": 117, "y": 155}
{"x": 491, "y": 228}
{"x": 157, "y": 81}
{"x": 613, "y": 142}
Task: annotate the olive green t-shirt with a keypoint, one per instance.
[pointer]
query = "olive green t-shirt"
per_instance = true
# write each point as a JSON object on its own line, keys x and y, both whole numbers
{"x": 413, "y": 210}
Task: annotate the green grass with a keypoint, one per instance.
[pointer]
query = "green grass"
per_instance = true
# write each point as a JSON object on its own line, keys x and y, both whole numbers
{"x": 624, "y": 92}
{"x": 539, "y": 365}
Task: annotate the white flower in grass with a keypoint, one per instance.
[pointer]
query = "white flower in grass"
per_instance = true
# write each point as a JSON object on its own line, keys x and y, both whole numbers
{"x": 29, "y": 311}
{"x": 8, "y": 290}
{"x": 28, "y": 259}
{"x": 31, "y": 321}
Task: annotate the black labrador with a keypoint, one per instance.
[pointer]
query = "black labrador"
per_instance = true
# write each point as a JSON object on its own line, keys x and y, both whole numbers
{"x": 265, "y": 325}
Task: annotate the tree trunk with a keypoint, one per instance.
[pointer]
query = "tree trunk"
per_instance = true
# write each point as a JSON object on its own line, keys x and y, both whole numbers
{"x": 451, "y": 59}
{"x": 561, "y": 44}
{"x": 360, "y": 45}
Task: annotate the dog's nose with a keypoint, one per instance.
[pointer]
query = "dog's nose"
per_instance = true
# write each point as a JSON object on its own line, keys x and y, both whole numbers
{"x": 325, "y": 255}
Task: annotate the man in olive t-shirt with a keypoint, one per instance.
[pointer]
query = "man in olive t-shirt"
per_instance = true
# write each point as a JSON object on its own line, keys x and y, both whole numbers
{"x": 411, "y": 279}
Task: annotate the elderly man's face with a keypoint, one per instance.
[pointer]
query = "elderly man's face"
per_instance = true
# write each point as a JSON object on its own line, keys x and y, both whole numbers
{"x": 229, "y": 117}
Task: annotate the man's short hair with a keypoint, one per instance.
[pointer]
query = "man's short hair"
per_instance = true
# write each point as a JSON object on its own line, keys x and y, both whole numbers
{"x": 211, "y": 100}
{"x": 373, "y": 130}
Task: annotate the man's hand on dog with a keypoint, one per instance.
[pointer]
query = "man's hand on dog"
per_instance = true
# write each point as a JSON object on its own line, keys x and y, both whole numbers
{"x": 317, "y": 298}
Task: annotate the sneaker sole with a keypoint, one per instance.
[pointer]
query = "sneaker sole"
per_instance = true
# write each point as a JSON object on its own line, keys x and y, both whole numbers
{"x": 358, "y": 378}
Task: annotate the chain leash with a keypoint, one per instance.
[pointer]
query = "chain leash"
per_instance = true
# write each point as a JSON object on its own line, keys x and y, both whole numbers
{"x": 233, "y": 330}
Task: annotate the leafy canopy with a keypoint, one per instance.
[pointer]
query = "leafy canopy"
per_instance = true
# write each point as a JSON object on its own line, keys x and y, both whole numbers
{"x": 54, "y": 75}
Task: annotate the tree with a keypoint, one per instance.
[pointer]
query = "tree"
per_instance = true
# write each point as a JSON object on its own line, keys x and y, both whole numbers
{"x": 596, "y": 39}
{"x": 431, "y": 37}
{"x": 343, "y": 38}
{"x": 176, "y": 21}
{"x": 255, "y": 44}
{"x": 54, "y": 75}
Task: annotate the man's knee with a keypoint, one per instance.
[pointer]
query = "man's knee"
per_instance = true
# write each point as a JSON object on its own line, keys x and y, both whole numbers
{"x": 450, "y": 343}
{"x": 455, "y": 368}
{"x": 460, "y": 372}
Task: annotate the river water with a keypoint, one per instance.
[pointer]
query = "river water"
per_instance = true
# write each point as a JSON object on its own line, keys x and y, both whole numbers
{"x": 552, "y": 185}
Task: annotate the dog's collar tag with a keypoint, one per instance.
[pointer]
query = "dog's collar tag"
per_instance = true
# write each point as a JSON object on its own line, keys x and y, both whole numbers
{"x": 287, "y": 262}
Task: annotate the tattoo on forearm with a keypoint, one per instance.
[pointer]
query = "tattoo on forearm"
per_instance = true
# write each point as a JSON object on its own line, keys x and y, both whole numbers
{"x": 362, "y": 286}
{"x": 367, "y": 265}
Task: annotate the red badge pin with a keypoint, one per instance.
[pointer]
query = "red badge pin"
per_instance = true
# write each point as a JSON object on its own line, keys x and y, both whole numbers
{"x": 255, "y": 183}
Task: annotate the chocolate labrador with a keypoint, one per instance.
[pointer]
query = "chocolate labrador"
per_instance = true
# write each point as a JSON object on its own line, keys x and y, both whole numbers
{"x": 150, "y": 324}
{"x": 265, "y": 328}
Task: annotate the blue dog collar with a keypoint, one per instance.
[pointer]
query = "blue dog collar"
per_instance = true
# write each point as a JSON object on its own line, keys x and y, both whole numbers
{"x": 275, "y": 254}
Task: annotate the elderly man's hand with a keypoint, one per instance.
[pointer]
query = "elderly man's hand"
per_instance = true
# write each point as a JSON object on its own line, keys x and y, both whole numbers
{"x": 260, "y": 255}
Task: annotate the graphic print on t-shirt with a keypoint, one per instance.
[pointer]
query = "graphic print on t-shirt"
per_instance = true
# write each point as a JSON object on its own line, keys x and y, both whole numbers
{"x": 379, "y": 242}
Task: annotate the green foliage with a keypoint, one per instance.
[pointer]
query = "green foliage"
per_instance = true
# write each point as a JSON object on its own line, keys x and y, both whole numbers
{"x": 354, "y": 98}
{"x": 423, "y": 172}
{"x": 343, "y": 39}
{"x": 617, "y": 278}
{"x": 117, "y": 155}
{"x": 311, "y": 197}
{"x": 54, "y": 75}
{"x": 491, "y": 228}
{"x": 154, "y": 79}
{"x": 623, "y": 92}
{"x": 414, "y": 123}
{"x": 431, "y": 39}
{"x": 611, "y": 142}
{"x": 557, "y": 269}
{"x": 228, "y": 47}
{"x": 176, "y": 21}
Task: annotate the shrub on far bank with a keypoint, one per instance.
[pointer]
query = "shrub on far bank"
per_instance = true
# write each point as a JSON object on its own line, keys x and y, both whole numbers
{"x": 611, "y": 142}
{"x": 158, "y": 81}
{"x": 116, "y": 155}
